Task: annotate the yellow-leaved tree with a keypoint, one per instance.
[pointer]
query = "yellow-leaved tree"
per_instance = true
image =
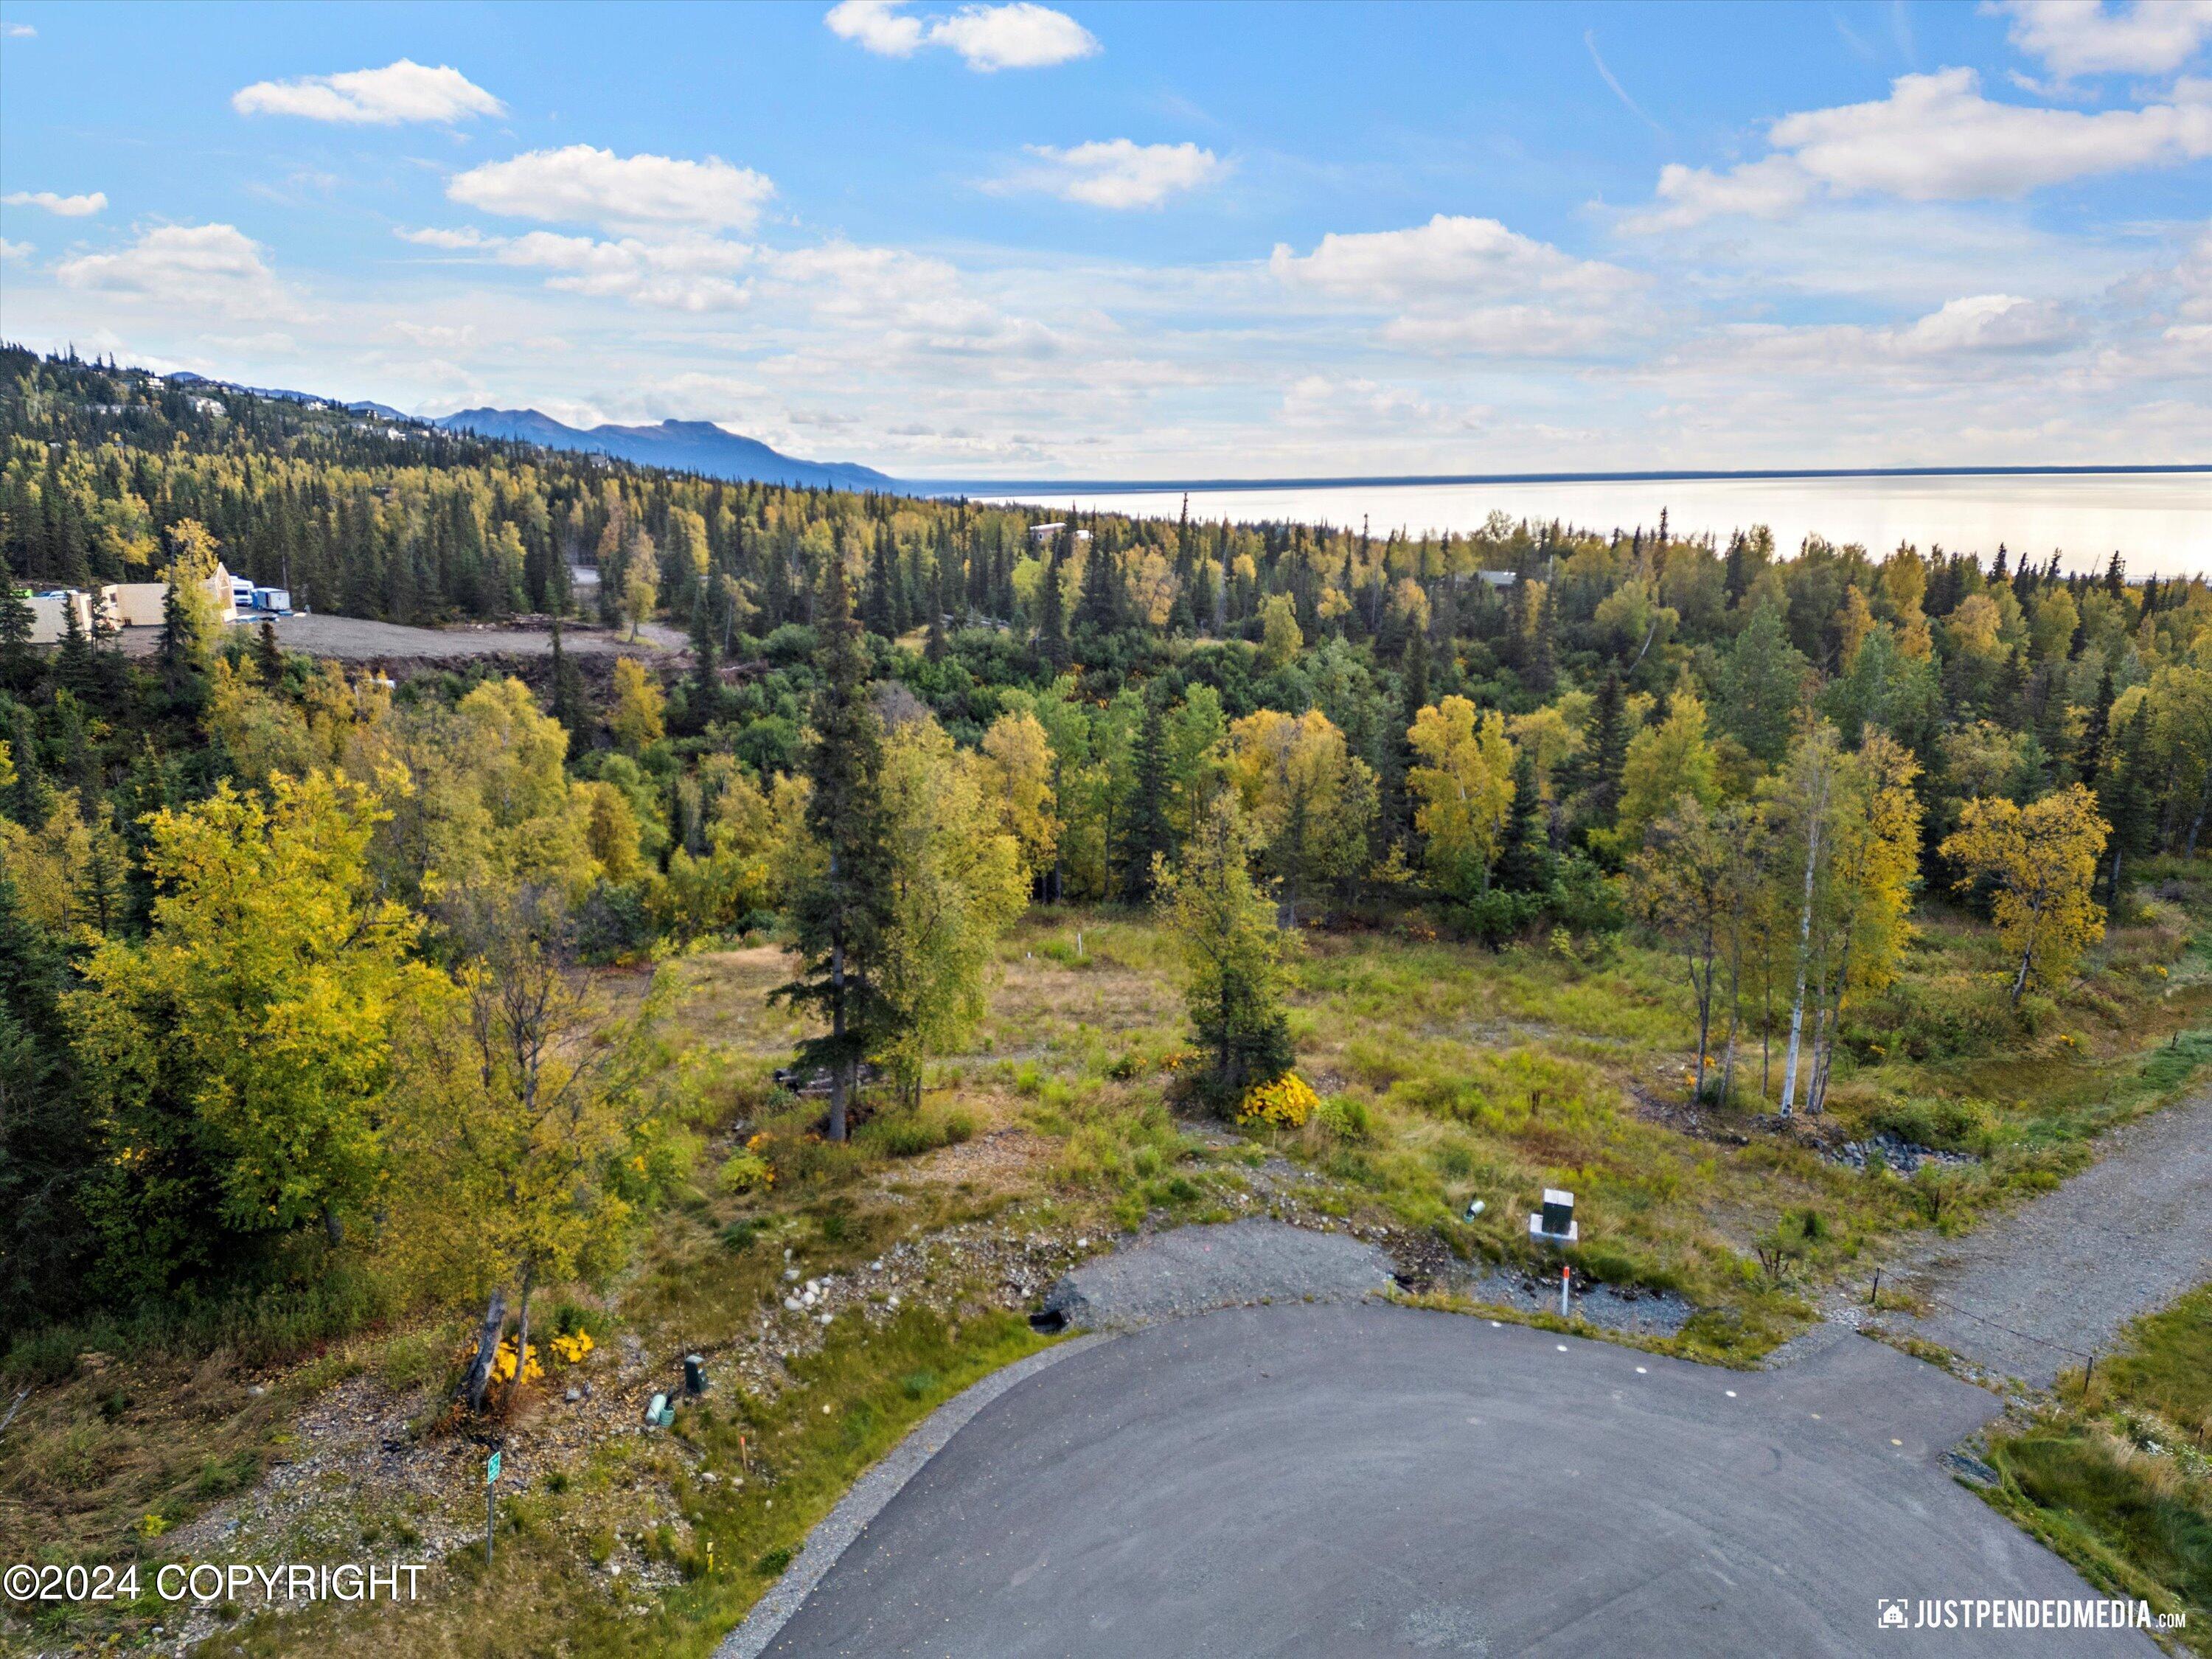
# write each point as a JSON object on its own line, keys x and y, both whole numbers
{"x": 242, "y": 1052}
{"x": 1465, "y": 788}
{"x": 1310, "y": 799}
{"x": 956, "y": 883}
{"x": 526, "y": 1130}
{"x": 1018, "y": 759}
{"x": 636, "y": 718}
{"x": 1665, "y": 762}
{"x": 2042, "y": 859}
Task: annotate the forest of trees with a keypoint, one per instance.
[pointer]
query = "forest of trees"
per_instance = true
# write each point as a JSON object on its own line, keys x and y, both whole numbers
{"x": 292, "y": 961}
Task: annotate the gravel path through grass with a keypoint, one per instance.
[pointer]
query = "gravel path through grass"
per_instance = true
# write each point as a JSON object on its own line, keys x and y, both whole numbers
{"x": 2036, "y": 1291}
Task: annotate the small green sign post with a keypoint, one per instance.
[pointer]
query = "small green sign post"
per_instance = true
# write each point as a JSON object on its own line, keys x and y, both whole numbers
{"x": 491, "y": 1500}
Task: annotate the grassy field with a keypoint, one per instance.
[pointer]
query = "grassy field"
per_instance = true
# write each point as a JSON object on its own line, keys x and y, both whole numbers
{"x": 1449, "y": 1073}
{"x": 2116, "y": 1473}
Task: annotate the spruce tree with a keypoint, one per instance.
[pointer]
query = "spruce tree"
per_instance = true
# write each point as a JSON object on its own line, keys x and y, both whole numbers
{"x": 880, "y": 611}
{"x": 268, "y": 655}
{"x": 1143, "y": 830}
{"x": 1052, "y": 626}
{"x": 15, "y": 620}
{"x": 568, "y": 691}
{"x": 842, "y": 914}
{"x": 1543, "y": 649}
{"x": 44, "y": 1143}
{"x": 1762, "y": 685}
{"x": 1524, "y": 860}
{"x": 1604, "y": 752}
{"x": 2126, "y": 799}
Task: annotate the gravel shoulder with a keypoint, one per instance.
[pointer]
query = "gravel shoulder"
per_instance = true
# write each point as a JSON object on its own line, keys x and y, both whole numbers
{"x": 1193, "y": 1270}
{"x": 2041, "y": 1289}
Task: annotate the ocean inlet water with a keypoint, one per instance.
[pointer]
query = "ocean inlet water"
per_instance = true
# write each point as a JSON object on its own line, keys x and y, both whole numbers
{"x": 2160, "y": 522}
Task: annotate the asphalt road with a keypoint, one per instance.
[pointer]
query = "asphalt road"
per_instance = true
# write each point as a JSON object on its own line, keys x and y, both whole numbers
{"x": 2038, "y": 1290}
{"x": 1356, "y": 1480}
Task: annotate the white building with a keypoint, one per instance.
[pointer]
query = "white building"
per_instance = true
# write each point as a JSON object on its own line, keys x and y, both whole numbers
{"x": 50, "y": 613}
{"x": 140, "y": 604}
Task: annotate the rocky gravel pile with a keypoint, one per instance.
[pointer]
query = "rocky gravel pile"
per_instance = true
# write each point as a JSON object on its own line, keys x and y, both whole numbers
{"x": 1895, "y": 1151}
{"x": 1194, "y": 1269}
{"x": 1609, "y": 1307}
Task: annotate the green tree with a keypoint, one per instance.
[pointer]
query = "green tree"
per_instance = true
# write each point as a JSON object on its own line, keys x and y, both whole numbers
{"x": 1762, "y": 685}
{"x": 1145, "y": 835}
{"x": 1232, "y": 954}
{"x": 956, "y": 883}
{"x": 241, "y": 1053}
{"x": 842, "y": 911}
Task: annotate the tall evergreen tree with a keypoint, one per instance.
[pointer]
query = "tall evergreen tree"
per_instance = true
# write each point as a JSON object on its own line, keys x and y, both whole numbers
{"x": 2127, "y": 799}
{"x": 1143, "y": 830}
{"x": 45, "y": 1147}
{"x": 1524, "y": 858}
{"x": 1052, "y": 626}
{"x": 568, "y": 691}
{"x": 1762, "y": 685}
{"x": 843, "y": 914}
{"x": 16, "y": 620}
{"x": 880, "y": 611}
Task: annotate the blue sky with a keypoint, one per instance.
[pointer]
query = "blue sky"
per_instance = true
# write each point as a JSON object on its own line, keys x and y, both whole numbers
{"x": 1117, "y": 240}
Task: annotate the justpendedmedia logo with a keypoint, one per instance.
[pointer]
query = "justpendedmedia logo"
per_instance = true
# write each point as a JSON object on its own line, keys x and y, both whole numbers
{"x": 1995, "y": 1612}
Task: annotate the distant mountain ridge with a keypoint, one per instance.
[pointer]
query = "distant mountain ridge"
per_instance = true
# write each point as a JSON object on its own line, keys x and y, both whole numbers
{"x": 366, "y": 406}
{"x": 698, "y": 446}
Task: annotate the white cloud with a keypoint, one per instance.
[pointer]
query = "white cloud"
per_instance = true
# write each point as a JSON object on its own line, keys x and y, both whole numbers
{"x": 69, "y": 207}
{"x": 436, "y": 337}
{"x": 692, "y": 273}
{"x": 1446, "y": 259}
{"x": 399, "y": 92}
{"x": 1759, "y": 189}
{"x": 876, "y": 26}
{"x": 1471, "y": 286}
{"x": 15, "y": 250}
{"x": 19, "y": 32}
{"x": 214, "y": 267}
{"x": 1936, "y": 138}
{"x": 1979, "y": 334}
{"x": 1990, "y": 322}
{"x": 2082, "y": 37}
{"x": 581, "y": 184}
{"x": 432, "y": 236}
{"x": 1115, "y": 172}
{"x": 1021, "y": 35}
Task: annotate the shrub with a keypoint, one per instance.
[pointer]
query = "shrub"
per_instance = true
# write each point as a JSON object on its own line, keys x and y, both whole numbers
{"x": 1954, "y": 1126}
{"x": 1347, "y": 1118}
{"x": 1288, "y": 1101}
{"x": 747, "y": 1171}
{"x": 909, "y": 1134}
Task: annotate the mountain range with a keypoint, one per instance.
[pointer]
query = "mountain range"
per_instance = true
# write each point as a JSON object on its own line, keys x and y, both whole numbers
{"x": 682, "y": 446}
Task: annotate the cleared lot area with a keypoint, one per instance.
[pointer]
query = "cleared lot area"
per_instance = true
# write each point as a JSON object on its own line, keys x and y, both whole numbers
{"x": 357, "y": 639}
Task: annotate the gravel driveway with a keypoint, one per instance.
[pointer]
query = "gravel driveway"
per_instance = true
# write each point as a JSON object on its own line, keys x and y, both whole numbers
{"x": 2037, "y": 1290}
{"x": 1194, "y": 1270}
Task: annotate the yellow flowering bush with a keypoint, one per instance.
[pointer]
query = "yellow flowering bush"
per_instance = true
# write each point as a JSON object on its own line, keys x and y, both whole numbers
{"x": 571, "y": 1349}
{"x": 502, "y": 1366}
{"x": 1289, "y": 1100}
{"x": 749, "y": 1171}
